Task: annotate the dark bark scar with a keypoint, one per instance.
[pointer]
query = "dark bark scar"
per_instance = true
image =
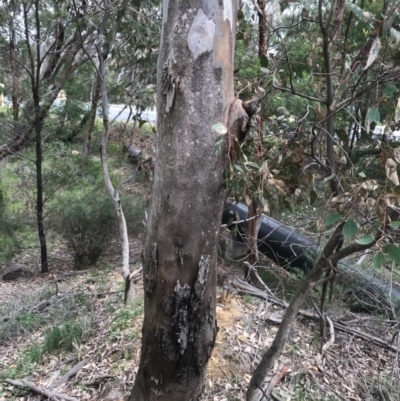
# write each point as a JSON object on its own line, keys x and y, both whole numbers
{"x": 152, "y": 272}
{"x": 169, "y": 84}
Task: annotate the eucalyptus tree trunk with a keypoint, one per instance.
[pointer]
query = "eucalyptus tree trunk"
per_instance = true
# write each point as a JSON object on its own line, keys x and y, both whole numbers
{"x": 91, "y": 117}
{"x": 195, "y": 91}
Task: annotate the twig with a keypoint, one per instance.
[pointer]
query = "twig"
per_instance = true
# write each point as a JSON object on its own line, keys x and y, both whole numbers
{"x": 37, "y": 308}
{"x": 73, "y": 273}
{"x": 136, "y": 275}
{"x": 276, "y": 379}
{"x": 116, "y": 191}
{"x": 72, "y": 372}
{"x": 97, "y": 380}
{"x": 321, "y": 314}
{"x": 324, "y": 318}
{"x": 331, "y": 333}
{"x": 42, "y": 305}
{"x": 238, "y": 222}
{"x": 51, "y": 395}
{"x": 249, "y": 289}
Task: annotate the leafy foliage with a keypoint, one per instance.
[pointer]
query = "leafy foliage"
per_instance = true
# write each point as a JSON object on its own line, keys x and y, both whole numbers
{"x": 84, "y": 221}
{"x": 8, "y": 240}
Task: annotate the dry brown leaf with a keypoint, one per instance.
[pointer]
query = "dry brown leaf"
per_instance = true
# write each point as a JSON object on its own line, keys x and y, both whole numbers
{"x": 391, "y": 171}
{"x": 370, "y": 185}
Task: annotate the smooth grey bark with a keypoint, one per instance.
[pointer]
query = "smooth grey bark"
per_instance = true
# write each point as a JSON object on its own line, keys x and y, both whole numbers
{"x": 195, "y": 91}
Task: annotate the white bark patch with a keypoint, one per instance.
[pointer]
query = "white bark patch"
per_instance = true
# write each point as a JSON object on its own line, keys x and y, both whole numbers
{"x": 228, "y": 12}
{"x": 165, "y": 11}
{"x": 201, "y": 35}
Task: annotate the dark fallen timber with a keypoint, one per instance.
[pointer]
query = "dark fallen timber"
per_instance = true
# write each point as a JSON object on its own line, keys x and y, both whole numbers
{"x": 291, "y": 250}
{"x": 276, "y": 241}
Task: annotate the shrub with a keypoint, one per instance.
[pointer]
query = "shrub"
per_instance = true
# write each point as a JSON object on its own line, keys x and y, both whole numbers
{"x": 84, "y": 222}
{"x": 63, "y": 337}
{"x": 134, "y": 209}
{"x": 8, "y": 241}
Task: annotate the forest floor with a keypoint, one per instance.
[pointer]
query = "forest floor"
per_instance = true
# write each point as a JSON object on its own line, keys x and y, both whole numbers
{"x": 50, "y": 324}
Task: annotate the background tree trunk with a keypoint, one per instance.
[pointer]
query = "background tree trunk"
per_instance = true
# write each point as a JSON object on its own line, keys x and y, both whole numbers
{"x": 91, "y": 117}
{"x": 112, "y": 191}
{"x": 195, "y": 87}
{"x": 35, "y": 87}
{"x": 262, "y": 28}
{"x": 13, "y": 67}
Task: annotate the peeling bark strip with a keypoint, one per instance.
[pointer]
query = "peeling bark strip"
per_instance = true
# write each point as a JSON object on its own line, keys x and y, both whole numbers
{"x": 240, "y": 114}
{"x": 187, "y": 305}
{"x": 152, "y": 272}
{"x": 194, "y": 92}
{"x": 204, "y": 267}
{"x": 169, "y": 82}
{"x": 180, "y": 319}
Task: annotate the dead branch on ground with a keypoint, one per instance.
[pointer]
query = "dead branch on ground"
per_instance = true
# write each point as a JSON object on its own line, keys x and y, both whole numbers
{"x": 72, "y": 372}
{"x": 243, "y": 287}
{"x": 51, "y": 395}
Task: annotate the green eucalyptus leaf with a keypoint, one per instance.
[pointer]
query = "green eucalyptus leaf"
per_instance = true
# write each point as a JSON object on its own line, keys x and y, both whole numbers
{"x": 365, "y": 239}
{"x": 218, "y": 145}
{"x": 332, "y": 218}
{"x": 252, "y": 164}
{"x": 360, "y": 14}
{"x": 373, "y": 115}
{"x": 379, "y": 259}
{"x": 394, "y": 224}
{"x": 390, "y": 90}
{"x": 220, "y": 128}
{"x": 393, "y": 252}
{"x": 141, "y": 123}
{"x": 350, "y": 229}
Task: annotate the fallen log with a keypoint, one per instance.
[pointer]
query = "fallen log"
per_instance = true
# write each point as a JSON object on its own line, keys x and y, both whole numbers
{"x": 291, "y": 250}
{"x": 72, "y": 372}
{"x": 278, "y": 242}
{"x": 51, "y": 395}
